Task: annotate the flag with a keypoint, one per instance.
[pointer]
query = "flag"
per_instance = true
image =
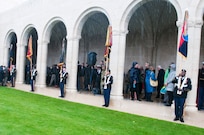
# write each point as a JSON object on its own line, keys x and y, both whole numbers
{"x": 183, "y": 45}
{"x": 30, "y": 49}
{"x": 11, "y": 55}
{"x": 108, "y": 42}
{"x": 63, "y": 50}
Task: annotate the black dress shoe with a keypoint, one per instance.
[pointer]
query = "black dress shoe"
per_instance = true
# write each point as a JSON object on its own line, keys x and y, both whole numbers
{"x": 181, "y": 119}
{"x": 103, "y": 105}
{"x": 175, "y": 119}
{"x": 61, "y": 96}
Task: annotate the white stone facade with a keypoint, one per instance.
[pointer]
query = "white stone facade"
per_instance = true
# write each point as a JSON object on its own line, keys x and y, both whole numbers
{"x": 42, "y": 15}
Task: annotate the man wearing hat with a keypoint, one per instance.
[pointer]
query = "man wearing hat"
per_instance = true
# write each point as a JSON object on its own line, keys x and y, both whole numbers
{"x": 182, "y": 86}
{"x": 201, "y": 87}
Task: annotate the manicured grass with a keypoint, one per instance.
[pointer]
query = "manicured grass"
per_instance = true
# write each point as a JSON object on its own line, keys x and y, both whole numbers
{"x": 24, "y": 113}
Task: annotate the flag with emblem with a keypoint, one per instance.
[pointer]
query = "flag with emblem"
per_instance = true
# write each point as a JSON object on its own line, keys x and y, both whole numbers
{"x": 108, "y": 43}
{"x": 183, "y": 44}
{"x": 30, "y": 49}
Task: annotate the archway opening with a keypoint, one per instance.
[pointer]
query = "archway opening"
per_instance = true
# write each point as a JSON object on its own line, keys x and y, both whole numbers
{"x": 55, "y": 50}
{"x": 32, "y": 33}
{"x": 152, "y": 38}
{"x": 12, "y": 50}
{"x": 92, "y": 41}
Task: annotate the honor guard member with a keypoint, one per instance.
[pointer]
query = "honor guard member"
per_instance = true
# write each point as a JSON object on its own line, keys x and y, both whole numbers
{"x": 63, "y": 77}
{"x": 33, "y": 78}
{"x": 201, "y": 88}
{"x": 182, "y": 86}
{"x": 13, "y": 75}
{"x": 108, "y": 80}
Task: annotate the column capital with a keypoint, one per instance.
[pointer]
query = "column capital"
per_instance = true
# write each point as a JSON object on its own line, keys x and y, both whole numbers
{"x": 44, "y": 42}
{"x": 21, "y": 45}
{"x": 191, "y": 23}
{"x": 120, "y": 32}
{"x": 74, "y": 38}
{"x": 198, "y": 23}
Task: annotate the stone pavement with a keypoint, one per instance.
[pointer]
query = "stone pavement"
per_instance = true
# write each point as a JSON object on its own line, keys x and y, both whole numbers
{"x": 149, "y": 109}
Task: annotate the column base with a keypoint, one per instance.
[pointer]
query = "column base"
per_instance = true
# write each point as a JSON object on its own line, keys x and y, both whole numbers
{"x": 191, "y": 108}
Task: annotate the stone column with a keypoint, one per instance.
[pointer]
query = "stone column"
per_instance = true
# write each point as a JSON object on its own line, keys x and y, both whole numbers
{"x": 1, "y": 53}
{"x": 20, "y": 63}
{"x": 42, "y": 63}
{"x": 191, "y": 64}
{"x": 117, "y": 60}
{"x": 71, "y": 62}
{"x": 193, "y": 60}
{"x": 5, "y": 55}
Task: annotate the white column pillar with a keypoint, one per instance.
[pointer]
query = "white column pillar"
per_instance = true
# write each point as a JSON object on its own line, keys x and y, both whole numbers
{"x": 71, "y": 62}
{"x": 191, "y": 64}
{"x": 5, "y": 55}
{"x": 42, "y": 63}
{"x": 20, "y": 63}
{"x": 117, "y": 60}
{"x": 193, "y": 60}
{"x": 1, "y": 54}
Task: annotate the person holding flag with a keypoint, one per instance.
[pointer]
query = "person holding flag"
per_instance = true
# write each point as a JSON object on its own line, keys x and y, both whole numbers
{"x": 11, "y": 58}
{"x": 63, "y": 72}
{"x": 108, "y": 46}
{"x": 33, "y": 68}
{"x": 108, "y": 78}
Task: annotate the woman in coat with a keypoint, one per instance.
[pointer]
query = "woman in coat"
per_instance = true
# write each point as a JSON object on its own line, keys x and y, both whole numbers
{"x": 149, "y": 89}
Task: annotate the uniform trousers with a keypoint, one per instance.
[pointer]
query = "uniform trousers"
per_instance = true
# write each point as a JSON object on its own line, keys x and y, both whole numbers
{"x": 179, "y": 106}
{"x": 107, "y": 96}
{"x": 200, "y": 98}
{"x": 62, "y": 89}
{"x": 32, "y": 84}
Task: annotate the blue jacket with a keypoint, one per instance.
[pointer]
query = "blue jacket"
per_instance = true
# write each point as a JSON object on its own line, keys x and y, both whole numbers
{"x": 149, "y": 74}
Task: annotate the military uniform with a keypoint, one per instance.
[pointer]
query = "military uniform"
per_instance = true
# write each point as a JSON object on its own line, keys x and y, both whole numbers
{"x": 201, "y": 88}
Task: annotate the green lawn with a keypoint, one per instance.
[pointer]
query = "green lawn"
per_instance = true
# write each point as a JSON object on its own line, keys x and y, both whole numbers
{"x": 24, "y": 113}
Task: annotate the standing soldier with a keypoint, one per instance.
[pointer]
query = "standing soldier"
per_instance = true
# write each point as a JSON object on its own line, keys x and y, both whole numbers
{"x": 33, "y": 78}
{"x": 63, "y": 77}
{"x": 13, "y": 75}
{"x": 201, "y": 87}
{"x": 108, "y": 80}
{"x": 182, "y": 86}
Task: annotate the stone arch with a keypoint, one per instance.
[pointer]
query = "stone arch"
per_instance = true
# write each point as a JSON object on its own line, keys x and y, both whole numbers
{"x": 84, "y": 16}
{"x": 90, "y": 28}
{"x": 10, "y": 38}
{"x": 200, "y": 11}
{"x": 136, "y": 4}
{"x": 25, "y": 65}
{"x": 25, "y": 34}
{"x": 48, "y": 27}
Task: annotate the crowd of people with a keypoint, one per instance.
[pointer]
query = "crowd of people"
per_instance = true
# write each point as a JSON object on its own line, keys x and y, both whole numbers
{"x": 137, "y": 84}
{"x": 89, "y": 78}
{"x": 7, "y": 75}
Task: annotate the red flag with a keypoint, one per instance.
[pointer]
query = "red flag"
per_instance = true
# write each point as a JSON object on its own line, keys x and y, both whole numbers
{"x": 183, "y": 45}
{"x": 108, "y": 42}
{"x": 30, "y": 49}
